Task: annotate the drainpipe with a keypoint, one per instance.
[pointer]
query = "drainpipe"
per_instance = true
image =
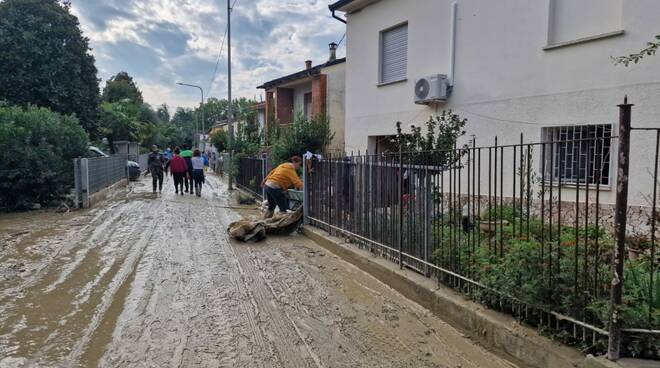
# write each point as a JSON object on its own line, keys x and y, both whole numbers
{"x": 452, "y": 44}
{"x": 336, "y": 17}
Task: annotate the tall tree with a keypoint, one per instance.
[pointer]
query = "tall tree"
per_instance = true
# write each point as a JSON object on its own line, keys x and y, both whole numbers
{"x": 163, "y": 113}
{"x": 46, "y": 61}
{"x": 122, "y": 88}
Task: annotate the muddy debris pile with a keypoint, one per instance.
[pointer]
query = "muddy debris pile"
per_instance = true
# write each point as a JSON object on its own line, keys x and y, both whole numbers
{"x": 254, "y": 230}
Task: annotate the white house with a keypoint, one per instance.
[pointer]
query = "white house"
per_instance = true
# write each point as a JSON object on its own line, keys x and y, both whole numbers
{"x": 537, "y": 67}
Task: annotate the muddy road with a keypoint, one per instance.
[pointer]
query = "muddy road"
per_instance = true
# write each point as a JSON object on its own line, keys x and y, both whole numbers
{"x": 153, "y": 281}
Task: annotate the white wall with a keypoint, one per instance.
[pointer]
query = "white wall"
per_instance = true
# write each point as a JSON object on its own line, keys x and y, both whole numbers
{"x": 505, "y": 82}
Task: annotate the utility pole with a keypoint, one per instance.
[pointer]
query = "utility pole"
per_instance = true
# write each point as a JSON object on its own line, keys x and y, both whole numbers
{"x": 230, "y": 118}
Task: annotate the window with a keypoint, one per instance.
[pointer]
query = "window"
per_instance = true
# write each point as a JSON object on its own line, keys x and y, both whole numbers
{"x": 573, "y": 21}
{"x": 307, "y": 105}
{"x": 578, "y": 154}
{"x": 394, "y": 54}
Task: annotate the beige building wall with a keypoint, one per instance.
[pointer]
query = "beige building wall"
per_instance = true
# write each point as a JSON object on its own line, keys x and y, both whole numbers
{"x": 336, "y": 100}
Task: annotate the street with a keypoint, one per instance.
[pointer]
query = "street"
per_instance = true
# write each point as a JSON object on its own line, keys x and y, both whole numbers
{"x": 153, "y": 281}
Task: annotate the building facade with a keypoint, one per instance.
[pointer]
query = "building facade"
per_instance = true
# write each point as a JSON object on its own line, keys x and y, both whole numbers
{"x": 543, "y": 68}
{"x": 315, "y": 90}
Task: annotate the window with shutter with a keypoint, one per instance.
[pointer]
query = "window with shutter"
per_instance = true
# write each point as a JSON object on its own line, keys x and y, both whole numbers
{"x": 394, "y": 54}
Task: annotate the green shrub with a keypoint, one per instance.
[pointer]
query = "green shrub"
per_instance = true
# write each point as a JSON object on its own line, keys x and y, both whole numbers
{"x": 36, "y": 150}
{"x": 303, "y": 135}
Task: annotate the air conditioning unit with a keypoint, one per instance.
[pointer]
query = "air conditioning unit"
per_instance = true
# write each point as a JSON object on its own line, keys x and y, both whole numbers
{"x": 434, "y": 88}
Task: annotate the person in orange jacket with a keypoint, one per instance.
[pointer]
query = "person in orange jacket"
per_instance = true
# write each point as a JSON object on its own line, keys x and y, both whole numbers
{"x": 278, "y": 182}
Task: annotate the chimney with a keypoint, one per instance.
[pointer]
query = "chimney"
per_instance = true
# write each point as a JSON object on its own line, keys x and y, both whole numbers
{"x": 333, "y": 51}
{"x": 308, "y": 64}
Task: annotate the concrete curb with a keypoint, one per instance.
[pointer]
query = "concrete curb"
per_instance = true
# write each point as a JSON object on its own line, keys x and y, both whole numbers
{"x": 496, "y": 331}
{"x": 103, "y": 194}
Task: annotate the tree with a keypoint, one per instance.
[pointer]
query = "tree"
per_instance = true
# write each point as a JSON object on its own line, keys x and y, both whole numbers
{"x": 163, "y": 113}
{"x": 122, "y": 88}
{"x": 46, "y": 61}
{"x": 36, "y": 150}
{"x": 216, "y": 110}
{"x": 649, "y": 50}
{"x": 184, "y": 125}
{"x": 220, "y": 140}
{"x": 116, "y": 123}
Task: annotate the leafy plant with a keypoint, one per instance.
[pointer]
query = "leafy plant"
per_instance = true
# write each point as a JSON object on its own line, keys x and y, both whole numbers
{"x": 301, "y": 136}
{"x": 649, "y": 50}
{"x": 441, "y": 137}
{"x": 36, "y": 149}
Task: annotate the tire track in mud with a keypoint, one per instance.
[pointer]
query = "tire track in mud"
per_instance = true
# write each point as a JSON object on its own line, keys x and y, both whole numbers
{"x": 188, "y": 315}
{"x": 59, "y": 315}
{"x": 122, "y": 280}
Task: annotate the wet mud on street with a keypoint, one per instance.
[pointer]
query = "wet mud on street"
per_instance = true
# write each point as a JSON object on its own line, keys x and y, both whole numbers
{"x": 153, "y": 281}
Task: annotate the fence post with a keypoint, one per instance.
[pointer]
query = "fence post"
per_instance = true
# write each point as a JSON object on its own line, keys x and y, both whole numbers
{"x": 305, "y": 192}
{"x": 84, "y": 176}
{"x": 78, "y": 182}
{"x": 400, "y": 239}
{"x": 264, "y": 173}
{"x": 614, "y": 343}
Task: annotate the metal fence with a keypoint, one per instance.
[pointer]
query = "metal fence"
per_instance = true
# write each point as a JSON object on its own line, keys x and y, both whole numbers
{"x": 94, "y": 174}
{"x": 143, "y": 161}
{"x": 222, "y": 164}
{"x": 251, "y": 172}
{"x": 525, "y": 228}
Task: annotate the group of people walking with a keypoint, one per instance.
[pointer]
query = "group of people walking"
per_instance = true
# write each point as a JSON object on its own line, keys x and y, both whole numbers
{"x": 186, "y": 167}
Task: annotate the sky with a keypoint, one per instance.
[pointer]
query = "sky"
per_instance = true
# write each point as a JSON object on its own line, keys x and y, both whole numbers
{"x": 161, "y": 42}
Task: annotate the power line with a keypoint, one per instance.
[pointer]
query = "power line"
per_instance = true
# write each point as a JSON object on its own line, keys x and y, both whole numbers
{"x": 217, "y": 61}
{"x": 342, "y": 39}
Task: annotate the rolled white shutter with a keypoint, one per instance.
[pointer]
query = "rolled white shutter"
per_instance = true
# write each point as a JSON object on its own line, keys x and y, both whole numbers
{"x": 394, "y": 54}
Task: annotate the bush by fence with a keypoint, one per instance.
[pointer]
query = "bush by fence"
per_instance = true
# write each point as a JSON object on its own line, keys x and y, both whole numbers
{"x": 36, "y": 149}
{"x": 520, "y": 234}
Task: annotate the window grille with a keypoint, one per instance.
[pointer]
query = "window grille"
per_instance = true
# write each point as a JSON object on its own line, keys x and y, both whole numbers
{"x": 578, "y": 154}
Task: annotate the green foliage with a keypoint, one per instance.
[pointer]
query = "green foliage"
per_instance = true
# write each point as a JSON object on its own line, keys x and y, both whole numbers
{"x": 215, "y": 110}
{"x": 441, "y": 137}
{"x": 36, "y": 148}
{"x": 301, "y": 136}
{"x": 184, "y": 127}
{"x": 46, "y": 61}
{"x": 558, "y": 268}
{"x": 116, "y": 123}
{"x": 163, "y": 114}
{"x": 219, "y": 139}
{"x": 122, "y": 88}
{"x": 649, "y": 50}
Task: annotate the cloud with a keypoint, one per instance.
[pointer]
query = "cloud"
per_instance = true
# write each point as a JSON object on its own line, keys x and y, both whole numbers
{"x": 161, "y": 42}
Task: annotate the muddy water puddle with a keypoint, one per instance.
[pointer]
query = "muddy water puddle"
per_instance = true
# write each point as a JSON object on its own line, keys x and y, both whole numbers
{"x": 153, "y": 280}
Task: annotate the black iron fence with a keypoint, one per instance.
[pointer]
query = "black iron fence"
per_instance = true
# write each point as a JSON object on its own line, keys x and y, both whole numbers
{"x": 251, "y": 172}
{"x": 526, "y": 228}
